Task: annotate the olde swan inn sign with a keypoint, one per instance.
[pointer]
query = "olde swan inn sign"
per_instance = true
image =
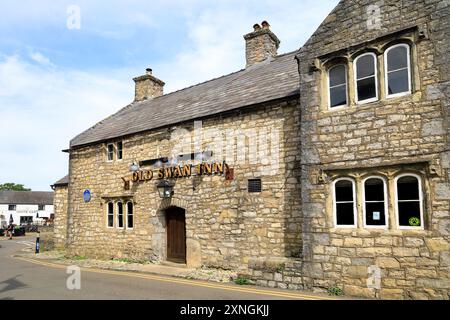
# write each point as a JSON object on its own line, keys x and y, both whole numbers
{"x": 181, "y": 171}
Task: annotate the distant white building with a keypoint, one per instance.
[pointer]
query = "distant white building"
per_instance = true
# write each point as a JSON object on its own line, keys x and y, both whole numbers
{"x": 25, "y": 207}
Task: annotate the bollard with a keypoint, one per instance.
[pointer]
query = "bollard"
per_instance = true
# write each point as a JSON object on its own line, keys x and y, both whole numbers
{"x": 37, "y": 242}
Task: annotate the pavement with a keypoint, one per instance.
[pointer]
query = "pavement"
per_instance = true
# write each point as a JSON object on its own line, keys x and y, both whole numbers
{"x": 25, "y": 277}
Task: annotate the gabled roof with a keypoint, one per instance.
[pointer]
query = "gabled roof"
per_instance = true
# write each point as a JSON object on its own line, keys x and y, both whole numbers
{"x": 25, "y": 197}
{"x": 266, "y": 81}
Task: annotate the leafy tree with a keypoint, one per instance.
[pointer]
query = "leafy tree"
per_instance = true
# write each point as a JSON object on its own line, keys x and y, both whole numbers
{"x": 13, "y": 186}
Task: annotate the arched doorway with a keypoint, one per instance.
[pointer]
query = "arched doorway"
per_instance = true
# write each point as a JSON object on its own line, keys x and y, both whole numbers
{"x": 176, "y": 234}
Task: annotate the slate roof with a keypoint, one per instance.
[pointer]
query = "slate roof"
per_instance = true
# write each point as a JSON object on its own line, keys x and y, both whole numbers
{"x": 62, "y": 182}
{"x": 259, "y": 83}
{"x": 25, "y": 197}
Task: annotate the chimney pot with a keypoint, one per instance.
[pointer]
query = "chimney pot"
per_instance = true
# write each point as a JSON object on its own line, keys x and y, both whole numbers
{"x": 148, "y": 71}
{"x": 256, "y": 27}
{"x": 265, "y": 25}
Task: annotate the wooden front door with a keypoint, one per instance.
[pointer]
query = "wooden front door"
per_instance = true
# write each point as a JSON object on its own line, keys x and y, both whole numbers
{"x": 176, "y": 235}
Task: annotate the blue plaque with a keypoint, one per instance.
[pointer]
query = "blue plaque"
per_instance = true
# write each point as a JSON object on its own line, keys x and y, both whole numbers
{"x": 87, "y": 195}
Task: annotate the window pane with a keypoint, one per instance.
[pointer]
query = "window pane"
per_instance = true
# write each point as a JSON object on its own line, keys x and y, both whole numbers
{"x": 130, "y": 221}
{"x": 366, "y": 89}
{"x": 110, "y": 208}
{"x": 338, "y": 96}
{"x": 409, "y": 214}
{"x": 110, "y": 152}
{"x": 365, "y": 67}
{"x": 398, "y": 81}
{"x": 408, "y": 188}
{"x": 397, "y": 58}
{"x": 337, "y": 75}
{"x": 344, "y": 190}
{"x": 344, "y": 214}
{"x": 119, "y": 150}
{"x": 375, "y": 215}
{"x": 129, "y": 215}
{"x": 120, "y": 214}
{"x": 374, "y": 189}
{"x": 110, "y": 220}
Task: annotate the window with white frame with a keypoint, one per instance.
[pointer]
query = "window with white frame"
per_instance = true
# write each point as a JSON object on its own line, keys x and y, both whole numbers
{"x": 110, "y": 215}
{"x": 11, "y": 207}
{"x": 337, "y": 86}
{"x": 110, "y": 152}
{"x": 41, "y": 207}
{"x": 344, "y": 203}
{"x": 409, "y": 201}
{"x": 130, "y": 215}
{"x": 119, "y": 150}
{"x": 366, "y": 78}
{"x": 375, "y": 202}
{"x": 119, "y": 214}
{"x": 397, "y": 70}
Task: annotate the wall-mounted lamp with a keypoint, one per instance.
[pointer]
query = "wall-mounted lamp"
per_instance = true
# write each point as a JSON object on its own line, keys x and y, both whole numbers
{"x": 134, "y": 167}
{"x": 165, "y": 189}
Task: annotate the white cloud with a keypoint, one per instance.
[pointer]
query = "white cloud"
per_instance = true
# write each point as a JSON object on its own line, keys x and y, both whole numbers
{"x": 42, "y": 108}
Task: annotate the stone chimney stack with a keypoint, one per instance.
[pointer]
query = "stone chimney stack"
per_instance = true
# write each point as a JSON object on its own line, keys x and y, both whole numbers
{"x": 148, "y": 86}
{"x": 260, "y": 44}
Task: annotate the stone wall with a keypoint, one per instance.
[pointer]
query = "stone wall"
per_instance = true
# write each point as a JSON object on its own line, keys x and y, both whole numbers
{"x": 60, "y": 202}
{"x": 46, "y": 238}
{"x": 225, "y": 225}
{"x": 387, "y": 137}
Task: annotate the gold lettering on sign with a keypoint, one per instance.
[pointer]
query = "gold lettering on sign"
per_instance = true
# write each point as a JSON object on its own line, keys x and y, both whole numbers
{"x": 181, "y": 172}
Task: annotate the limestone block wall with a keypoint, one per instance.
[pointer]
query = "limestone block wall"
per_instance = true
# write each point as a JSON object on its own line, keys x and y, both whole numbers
{"x": 386, "y": 137}
{"x": 225, "y": 225}
{"x": 60, "y": 202}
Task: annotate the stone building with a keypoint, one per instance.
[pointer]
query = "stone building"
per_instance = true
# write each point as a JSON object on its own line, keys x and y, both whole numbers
{"x": 325, "y": 167}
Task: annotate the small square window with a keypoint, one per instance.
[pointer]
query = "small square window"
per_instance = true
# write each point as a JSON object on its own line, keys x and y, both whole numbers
{"x": 254, "y": 185}
{"x": 12, "y": 207}
{"x": 41, "y": 207}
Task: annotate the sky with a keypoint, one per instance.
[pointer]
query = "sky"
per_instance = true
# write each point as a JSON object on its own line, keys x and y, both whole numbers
{"x": 60, "y": 75}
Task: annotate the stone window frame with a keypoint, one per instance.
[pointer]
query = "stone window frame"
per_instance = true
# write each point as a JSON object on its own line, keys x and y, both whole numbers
{"x": 346, "y": 86}
{"x": 421, "y": 201}
{"x": 127, "y": 214}
{"x": 410, "y": 80}
{"x": 410, "y": 37}
{"x": 355, "y": 201}
{"x": 108, "y": 214}
{"x": 386, "y": 202}
{"x": 355, "y": 78}
{"x": 392, "y": 216}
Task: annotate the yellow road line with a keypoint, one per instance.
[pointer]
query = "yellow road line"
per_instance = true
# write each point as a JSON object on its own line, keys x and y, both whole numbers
{"x": 183, "y": 281}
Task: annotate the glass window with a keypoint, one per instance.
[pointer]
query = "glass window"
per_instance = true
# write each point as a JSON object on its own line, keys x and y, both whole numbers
{"x": 119, "y": 214}
{"x": 398, "y": 80}
{"x": 366, "y": 78}
{"x": 409, "y": 202}
{"x": 110, "y": 214}
{"x": 110, "y": 152}
{"x": 375, "y": 202}
{"x": 41, "y": 207}
{"x": 129, "y": 215}
{"x": 12, "y": 207}
{"x": 337, "y": 77}
{"x": 344, "y": 203}
{"x": 119, "y": 150}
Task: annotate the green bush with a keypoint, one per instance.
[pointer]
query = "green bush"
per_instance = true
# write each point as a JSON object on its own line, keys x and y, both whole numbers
{"x": 241, "y": 281}
{"x": 335, "y": 291}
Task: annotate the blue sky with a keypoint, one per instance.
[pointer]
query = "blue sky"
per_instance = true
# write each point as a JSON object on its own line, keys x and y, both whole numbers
{"x": 56, "y": 82}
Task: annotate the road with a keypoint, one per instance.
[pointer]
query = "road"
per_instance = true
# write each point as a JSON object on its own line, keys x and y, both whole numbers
{"x": 28, "y": 279}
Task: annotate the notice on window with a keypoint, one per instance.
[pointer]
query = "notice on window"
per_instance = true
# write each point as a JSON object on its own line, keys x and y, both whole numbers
{"x": 376, "y": 215}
